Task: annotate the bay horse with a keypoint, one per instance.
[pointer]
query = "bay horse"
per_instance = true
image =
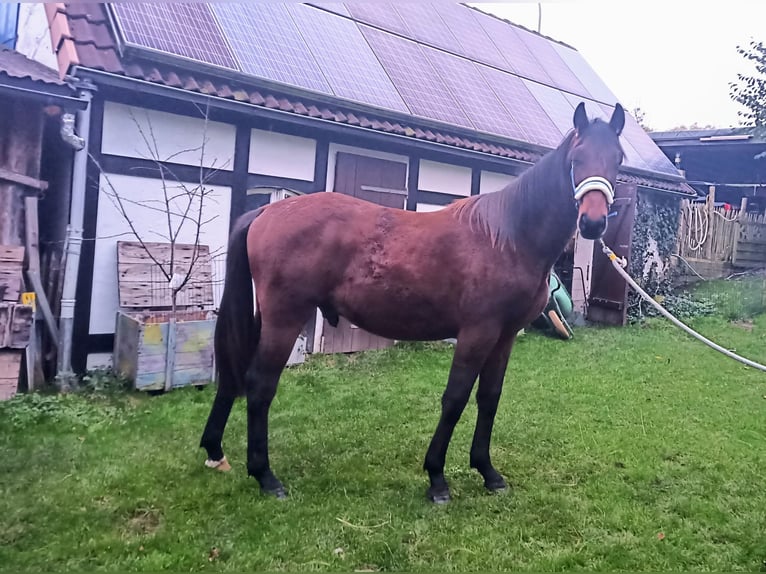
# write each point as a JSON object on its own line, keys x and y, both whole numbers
{"x": 476, "y": 271}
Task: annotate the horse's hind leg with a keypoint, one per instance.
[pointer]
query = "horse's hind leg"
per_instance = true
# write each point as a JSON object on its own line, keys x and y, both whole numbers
{"x": 487, "y": 398}
{"x": 276, "y": 344}
{"x": 470, "y": 354}
{"x": 212, "y": 436}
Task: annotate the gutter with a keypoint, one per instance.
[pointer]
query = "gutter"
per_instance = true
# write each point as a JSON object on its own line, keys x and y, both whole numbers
{"x": 65, "y": 376}
{"x": 69, "y": 102}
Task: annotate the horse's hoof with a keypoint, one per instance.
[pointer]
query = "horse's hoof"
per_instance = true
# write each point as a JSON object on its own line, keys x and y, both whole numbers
{"x": 439, "y": 497}
{"x": 496, "y": 486}
{"x": 222, "y": 465}
{"x": 278, "y": 492}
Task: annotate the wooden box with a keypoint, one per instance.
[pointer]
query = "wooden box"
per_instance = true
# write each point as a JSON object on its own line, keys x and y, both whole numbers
{"x": 141, "y": 349}
{"x": 10, "y": 361}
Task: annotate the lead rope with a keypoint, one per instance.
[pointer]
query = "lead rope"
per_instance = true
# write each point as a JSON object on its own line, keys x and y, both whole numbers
{"x": 619, "y": 264}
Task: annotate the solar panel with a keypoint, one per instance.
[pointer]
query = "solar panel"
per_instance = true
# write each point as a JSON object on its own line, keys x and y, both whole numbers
{"x": 381, "y": 15}
{"x": 525, "y": 109}
{"x": 335, "y": 7}
{"x": 188, "y": 30}
{"x": 586, "y": 74}
{"x": 414, "y": 77}
{"x": 345, "y": 58}
{"x": 555, "y": 104}
{"x": 470, "y": 36}
{"x": 550, "y": 60}
{"x": 425, "y": 25}
{"x": 651, "y": 154}
{"x": 517, "y": 56}
{"x": 479, "y": 102}
{"x": 267, "y": 44}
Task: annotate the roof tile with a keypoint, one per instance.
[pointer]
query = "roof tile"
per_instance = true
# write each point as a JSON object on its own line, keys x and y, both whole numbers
{"x": 16, "y": 65}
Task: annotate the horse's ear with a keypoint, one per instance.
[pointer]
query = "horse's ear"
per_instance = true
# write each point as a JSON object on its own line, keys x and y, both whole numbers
{"x": 580, "y": 118}
{"x": 618, "y": 119}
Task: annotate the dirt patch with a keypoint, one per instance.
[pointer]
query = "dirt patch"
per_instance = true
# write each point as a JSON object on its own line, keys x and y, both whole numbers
{"x": 143, "y": 522}
{"x": 746, "y": 325}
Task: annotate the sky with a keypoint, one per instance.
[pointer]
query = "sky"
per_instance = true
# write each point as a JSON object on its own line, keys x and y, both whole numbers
{"x": 673, "y": 59}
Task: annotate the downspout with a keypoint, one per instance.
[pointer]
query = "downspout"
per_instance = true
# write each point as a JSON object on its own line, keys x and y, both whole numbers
{"x": 65, "y": 376}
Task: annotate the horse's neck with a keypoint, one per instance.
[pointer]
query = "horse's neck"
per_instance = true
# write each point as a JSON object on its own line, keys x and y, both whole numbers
{"x": 547, "y": 215}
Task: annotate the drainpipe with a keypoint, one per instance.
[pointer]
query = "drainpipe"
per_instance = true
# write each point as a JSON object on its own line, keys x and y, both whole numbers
{"x": 65, "y": 376}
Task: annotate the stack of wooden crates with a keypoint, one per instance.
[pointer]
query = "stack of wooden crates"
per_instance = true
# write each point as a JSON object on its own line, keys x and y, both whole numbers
{"x": 15, "y": 319}
{"x": 149, "y": 350}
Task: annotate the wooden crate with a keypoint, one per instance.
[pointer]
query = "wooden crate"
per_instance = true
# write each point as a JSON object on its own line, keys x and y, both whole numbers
{"x": 141, "y": 351}
{"x": 10, "y": 362}
{"x": 142, "y": 284}
{"x": 11, "y": 281}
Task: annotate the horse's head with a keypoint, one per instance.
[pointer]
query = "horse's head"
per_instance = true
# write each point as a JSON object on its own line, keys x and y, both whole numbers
{"x": 594, "y": 157}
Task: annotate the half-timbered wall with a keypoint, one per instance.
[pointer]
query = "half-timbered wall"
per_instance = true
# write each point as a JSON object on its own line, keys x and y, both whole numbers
{"x": 143, "y": 204}
{"x": 493, "y": 181}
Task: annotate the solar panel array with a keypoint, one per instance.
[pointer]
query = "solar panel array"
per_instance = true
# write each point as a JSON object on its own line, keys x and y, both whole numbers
{"x": 441, "y": 61}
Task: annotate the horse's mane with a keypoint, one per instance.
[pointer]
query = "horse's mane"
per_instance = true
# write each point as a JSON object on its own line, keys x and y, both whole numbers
{"x": 501, "y": 214}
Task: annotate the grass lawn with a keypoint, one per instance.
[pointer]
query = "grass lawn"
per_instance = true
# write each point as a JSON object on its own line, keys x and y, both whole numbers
{"x": 634, "y": 448}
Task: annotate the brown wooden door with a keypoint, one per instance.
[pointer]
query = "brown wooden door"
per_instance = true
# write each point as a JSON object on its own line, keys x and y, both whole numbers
{"x": 608, "y": 300}
{"x": 379, "y": 181}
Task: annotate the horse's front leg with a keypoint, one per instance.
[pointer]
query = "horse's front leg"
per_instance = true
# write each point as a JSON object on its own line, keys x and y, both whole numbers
{"x": 487, "y": 398}
{"x": 470, "y": 353}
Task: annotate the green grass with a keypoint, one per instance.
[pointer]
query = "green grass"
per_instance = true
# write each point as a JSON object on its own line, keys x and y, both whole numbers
{"x": 627, "y": 449}
{"x": 734, "y": 298}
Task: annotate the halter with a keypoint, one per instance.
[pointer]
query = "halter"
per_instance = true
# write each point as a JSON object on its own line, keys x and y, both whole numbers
{"x": 592, "y": 183}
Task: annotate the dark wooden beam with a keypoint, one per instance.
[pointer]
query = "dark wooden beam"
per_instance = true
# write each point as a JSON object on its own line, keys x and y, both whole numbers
{"x": 413, "y": 177}
{"x": 25, "y": 180}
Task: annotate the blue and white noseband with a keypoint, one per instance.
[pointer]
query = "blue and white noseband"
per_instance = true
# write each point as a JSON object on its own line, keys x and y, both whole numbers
{"x": 592, "y": 183}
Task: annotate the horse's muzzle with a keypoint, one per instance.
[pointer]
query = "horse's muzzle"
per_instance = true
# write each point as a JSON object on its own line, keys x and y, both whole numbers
{"x": 592, "y": 228}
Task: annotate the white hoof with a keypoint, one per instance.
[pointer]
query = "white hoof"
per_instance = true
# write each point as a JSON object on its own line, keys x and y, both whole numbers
{"x": 222, "y": 465}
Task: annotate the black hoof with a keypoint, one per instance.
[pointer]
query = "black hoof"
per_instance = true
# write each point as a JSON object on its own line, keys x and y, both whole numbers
{"x": 496, "y": 485}
{"x": 440, "y": 496}
{"x": 278, "y": 492}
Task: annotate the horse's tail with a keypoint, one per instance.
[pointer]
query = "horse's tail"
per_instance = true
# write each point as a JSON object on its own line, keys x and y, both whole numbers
{"x": 237, "y": 328}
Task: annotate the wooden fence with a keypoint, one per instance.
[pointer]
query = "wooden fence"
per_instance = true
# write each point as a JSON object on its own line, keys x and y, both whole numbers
{"x": 716, "y": 241}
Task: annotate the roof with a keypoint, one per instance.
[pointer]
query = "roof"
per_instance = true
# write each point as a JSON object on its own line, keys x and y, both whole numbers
{"x": 85, "y": 37}
{"x": 21, "y": 77}
{"x": 729, "y": 136}
{"x": 733, "y": 157}
{"x": 16, "y": 65}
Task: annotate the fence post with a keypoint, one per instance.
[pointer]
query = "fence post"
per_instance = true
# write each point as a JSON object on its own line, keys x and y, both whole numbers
{"x": 741, "y": 219}
{"x": 710, "y": 223}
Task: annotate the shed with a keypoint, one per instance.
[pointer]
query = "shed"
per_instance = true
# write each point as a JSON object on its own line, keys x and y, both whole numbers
{"x": 727, "y": 169}
{"x": 33, "y": 103}
{"x": 731, "y": 160}
{"x": 410, "y": 104}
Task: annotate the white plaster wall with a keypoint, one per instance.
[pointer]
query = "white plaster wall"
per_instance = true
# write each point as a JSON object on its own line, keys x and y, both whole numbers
{"x": 653, "y": 259}
{"x": 444, "y": 178}
{"x": 427, "y": 207}
{"x": 142, "y": 198}
{"x": 98, "y": 361}
{"x": 34, "y": 38}
{"x": 148, "y": 134}
{"x": 333, "y": 156}
{"x": 493, "y": 181}
{"x": 282, "y": 155}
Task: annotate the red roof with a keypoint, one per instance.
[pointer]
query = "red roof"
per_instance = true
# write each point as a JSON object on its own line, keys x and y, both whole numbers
{"x": 16, "y": 65}
{"x": 82, "y": 36}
